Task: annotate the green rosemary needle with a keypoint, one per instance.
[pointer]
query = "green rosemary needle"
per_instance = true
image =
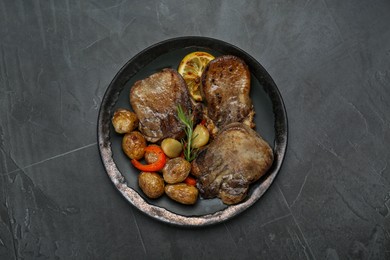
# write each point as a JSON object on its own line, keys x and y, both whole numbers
{"x": 186, "y": 119}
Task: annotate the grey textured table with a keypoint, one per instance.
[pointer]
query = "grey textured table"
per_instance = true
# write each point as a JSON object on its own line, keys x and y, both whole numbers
{"x": 331, "y": 62}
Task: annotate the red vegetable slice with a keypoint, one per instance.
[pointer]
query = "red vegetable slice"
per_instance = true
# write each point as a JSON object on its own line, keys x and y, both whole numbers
{"x": 157, "y": 165}
{"x": 190, "y": 181}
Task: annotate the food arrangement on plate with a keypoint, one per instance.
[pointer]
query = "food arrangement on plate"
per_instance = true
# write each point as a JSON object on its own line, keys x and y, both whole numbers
{"x": 190, "y": 132}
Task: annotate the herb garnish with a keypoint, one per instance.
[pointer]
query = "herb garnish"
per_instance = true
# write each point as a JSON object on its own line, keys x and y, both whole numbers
{"x": 187, "y": 119}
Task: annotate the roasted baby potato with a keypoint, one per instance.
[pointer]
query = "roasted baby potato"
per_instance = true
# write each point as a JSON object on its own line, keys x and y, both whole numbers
{"x": 171, "y": 147}
{"x": 176, "y": 170}
{"x": 151, "y": 157}
{"x": 201, "y": 136}
{"x": 182, "y": 193}
{"x": 124, "y": 121}
{"x": 152, "y": 184}
{"x": 133, "y": 144}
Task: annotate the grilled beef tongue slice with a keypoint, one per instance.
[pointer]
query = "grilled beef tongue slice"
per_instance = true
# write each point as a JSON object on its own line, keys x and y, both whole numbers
{"x": 155, "y": 100}
{"x": 237, "y": 157}
{"x": 225, "y": 89}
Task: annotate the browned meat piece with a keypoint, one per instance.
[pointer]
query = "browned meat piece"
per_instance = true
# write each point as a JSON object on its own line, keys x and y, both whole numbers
{"x": 155, "y": 100}
{"x": 237, "y": 157}
{"x": 225, "y": 89}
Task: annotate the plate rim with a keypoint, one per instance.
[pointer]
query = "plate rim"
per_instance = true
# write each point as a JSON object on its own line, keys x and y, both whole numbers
{"x": 111, "y": 96}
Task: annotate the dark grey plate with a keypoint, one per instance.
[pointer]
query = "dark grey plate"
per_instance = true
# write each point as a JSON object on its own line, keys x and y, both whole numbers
{"x": 270, "y": 119}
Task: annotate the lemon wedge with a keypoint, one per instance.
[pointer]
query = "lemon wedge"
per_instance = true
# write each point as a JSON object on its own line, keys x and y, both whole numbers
{"x": 191, "y": 69}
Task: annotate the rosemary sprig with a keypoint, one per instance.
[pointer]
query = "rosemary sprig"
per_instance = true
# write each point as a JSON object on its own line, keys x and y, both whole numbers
{"x": 186, "y": 119}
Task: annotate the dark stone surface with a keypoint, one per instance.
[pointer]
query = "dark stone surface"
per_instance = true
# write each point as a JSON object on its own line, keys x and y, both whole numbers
{"x": 330, "y": 60}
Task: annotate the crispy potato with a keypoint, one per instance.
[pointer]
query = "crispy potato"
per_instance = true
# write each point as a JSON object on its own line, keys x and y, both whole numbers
{"x": 151, "y": 157}
{"x": 124, "y": 121}
{"x": 201, "y": 135}
{"x": 182, "y": 193}
{"x": 133, "y": 144}
{"x": 176, "y": 170}
{"x": 152, "y": 184}
{"x": 171, "y": 147}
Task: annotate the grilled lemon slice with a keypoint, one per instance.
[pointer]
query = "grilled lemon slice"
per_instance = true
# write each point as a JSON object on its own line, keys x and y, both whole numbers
{"x": 191, "y": 68}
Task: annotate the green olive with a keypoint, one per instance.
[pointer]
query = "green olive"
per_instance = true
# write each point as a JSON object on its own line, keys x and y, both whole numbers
{"x": 201, "y": 136}
{"x": 171, "y": 147}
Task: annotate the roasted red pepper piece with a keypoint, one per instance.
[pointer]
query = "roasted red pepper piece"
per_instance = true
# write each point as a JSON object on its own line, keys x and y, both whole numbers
{"x": 190, "y": 181}
{"x": 157, "y": 165}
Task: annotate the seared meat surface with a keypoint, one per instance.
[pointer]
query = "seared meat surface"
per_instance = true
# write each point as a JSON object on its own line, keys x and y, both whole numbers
{"x": 225, "y": 88}
{"x": 237, "y": 157}
{"x": 155, "y": 100}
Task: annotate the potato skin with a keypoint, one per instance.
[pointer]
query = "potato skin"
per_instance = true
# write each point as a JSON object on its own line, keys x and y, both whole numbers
{"x": 133, "y": 144}
{"x": 152, "y": 184}
{"x": 176, "y": 170}
{"x": 182, "y": 193}
{"x": 151, "y": 157}
{"x": 124, "y": 121}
